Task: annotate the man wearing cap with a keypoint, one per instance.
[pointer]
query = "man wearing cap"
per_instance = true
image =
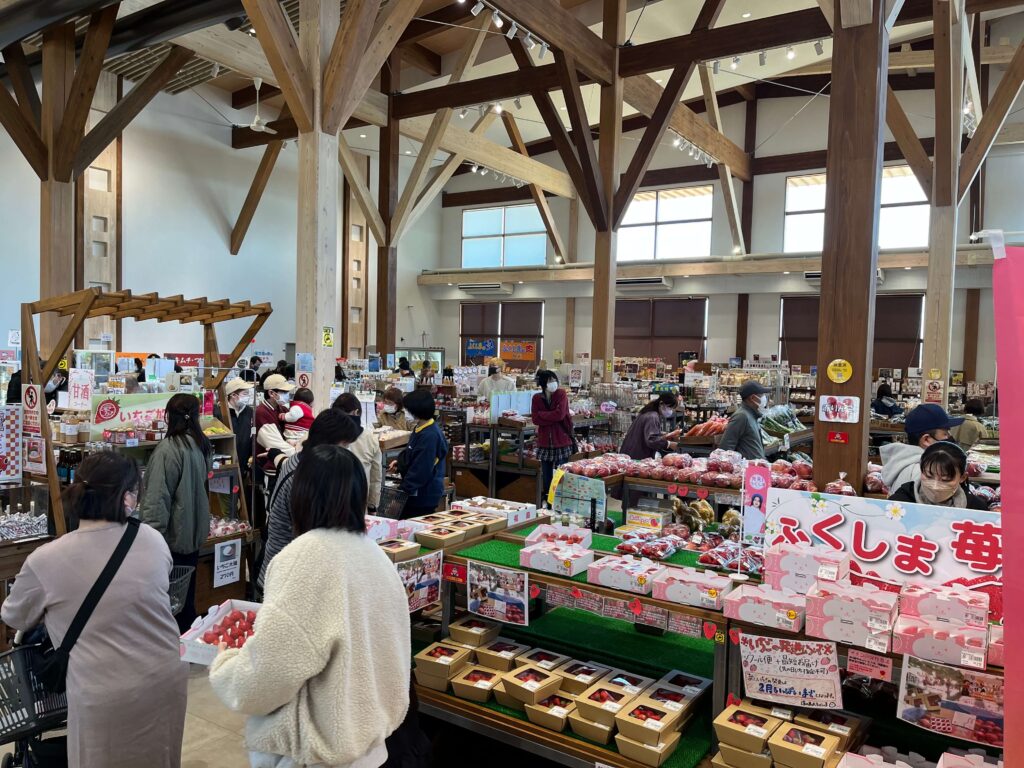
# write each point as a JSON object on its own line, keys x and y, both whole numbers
{"x": 901, "y": 462}
{"x": 239, "y": 395}
{"x": 744, "y": 431}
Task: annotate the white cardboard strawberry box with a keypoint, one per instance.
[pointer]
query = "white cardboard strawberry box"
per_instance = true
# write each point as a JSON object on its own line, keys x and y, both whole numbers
{"x": 192, "y": 647}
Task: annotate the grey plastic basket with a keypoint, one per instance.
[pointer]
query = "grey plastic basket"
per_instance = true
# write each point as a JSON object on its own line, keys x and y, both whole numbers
{"x": 178, "y": 588}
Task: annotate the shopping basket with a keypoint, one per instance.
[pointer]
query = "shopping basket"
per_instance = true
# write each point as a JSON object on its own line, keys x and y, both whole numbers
{"x": 26, "y": 709}
{"x": 392, "y": 502}
{"x": 178, "y": 588}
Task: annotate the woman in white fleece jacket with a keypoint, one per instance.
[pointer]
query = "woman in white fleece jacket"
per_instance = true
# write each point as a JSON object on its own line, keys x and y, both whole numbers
{"x": 325, "y": 676}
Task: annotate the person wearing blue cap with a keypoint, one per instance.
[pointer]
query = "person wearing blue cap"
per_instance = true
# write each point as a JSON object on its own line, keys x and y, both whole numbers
{"x": 743, "y": 434}
{"x": 927, "y": 424}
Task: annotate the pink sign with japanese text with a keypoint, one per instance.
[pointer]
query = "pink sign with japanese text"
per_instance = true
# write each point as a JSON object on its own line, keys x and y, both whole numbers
{"x": 891, "y": 543}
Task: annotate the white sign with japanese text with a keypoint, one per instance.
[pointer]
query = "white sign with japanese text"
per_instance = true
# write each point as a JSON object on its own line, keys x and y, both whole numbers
{"x": 792, "y": 672}
{"x": 891, "y": 542}
{"x": 79, "y": 389}
{"x": 227, "y": 562}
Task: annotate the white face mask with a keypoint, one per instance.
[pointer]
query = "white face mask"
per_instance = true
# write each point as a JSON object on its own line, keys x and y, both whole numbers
{"x": 51, "y": 385}
{"x": 390, "y": 408}
{"x": 552, "y": 386}
{"x": 763, "y": 402}
{"x": 939, "y": 490}
{"x": 243, "y": 401}
{"x": 283, "y": 398}
{"x": 666, "y": 413}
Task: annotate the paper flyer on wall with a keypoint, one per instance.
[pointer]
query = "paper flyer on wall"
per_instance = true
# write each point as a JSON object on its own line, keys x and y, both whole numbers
{"x": 421, "y": 578}
{"x": 952, "y": 701}
{"x": 500, "y": 594}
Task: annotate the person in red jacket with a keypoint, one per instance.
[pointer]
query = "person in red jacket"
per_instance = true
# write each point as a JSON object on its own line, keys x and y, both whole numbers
{"x": 555, "y": 437}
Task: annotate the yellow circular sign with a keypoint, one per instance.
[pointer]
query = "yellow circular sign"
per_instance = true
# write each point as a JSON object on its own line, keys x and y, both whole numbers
{"x": 641, "y": 580}
{"x": 567, "y": 564}
{"x": 840, "y": 371}
{"x": 791, "y": 615}
{"x": 712, "y": 592}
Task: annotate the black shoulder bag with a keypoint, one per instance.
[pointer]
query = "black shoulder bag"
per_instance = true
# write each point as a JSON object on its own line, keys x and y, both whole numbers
{"x": 52, "y": 663}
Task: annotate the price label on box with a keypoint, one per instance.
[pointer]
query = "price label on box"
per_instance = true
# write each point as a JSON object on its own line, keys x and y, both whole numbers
{"x": 483, "y": 684}
{"x": 558, "y": 711}
{"x": 654, "y": 725}
{"x": 611, "y": 706}
{"x": 814, "y": 750}
{"x": 841, "y": 730}
{"x": 671, "y": 706}
{"x": 756, "y": 731}
{"x": 879, "y": 623}
{"x": 972, "y": 659}
{"x": 532, "y": 685}
{"x": 877, "y": 644}
{"x": 828, "y": 572}
{"x": 782, "y": 714}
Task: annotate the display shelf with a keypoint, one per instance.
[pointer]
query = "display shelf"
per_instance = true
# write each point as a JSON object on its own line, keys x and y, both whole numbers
{"x": 511, "y": 727}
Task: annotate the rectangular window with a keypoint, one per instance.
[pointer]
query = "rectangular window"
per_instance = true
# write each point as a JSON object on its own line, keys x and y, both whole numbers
{"x": 902, "y": 223}
{"x": 897, "y": 337}
{"x": 667, "y": 224}
{"x": 511, "y": 330}
{"x": 513, "y": 236}
{"x": 664, "y": 328}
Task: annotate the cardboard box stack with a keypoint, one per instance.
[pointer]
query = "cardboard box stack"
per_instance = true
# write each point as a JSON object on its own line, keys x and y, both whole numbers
{"x": 438, "y": 663}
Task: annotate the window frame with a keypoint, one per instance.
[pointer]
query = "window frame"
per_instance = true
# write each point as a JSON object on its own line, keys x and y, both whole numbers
{"x": 499, "y": 336}
{"x": 657, "y": 216}
{"x": 786, "y": 213}
{"x": 503, "y": 235}
{"x": 651, "y": 302}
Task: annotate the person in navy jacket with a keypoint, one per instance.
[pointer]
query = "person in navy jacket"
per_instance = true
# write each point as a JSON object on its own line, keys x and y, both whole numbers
{"x": 424, "y": 459}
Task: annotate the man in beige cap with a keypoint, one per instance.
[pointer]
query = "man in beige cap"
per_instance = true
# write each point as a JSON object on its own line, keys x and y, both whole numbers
{"x": 271, "y": 447}
{"x": 239, "y": 396}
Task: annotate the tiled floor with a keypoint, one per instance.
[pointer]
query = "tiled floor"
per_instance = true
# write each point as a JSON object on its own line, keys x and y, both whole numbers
{"x": 213, "y": 733}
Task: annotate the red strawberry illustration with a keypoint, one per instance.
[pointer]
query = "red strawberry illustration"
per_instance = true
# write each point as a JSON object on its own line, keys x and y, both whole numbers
{"x": 107, "y": 410}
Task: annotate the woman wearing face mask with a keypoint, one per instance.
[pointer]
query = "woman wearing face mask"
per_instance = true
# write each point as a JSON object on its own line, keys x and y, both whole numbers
{"x": 176, "y": 502}
{"x": 743, "y": 434}
{"x": 393, "y": 412}
{"x": 943, "y": 480}
{"x": 332, "y": 427}
{"x": 646, "y": 437}
{"x": 555, "y": 436}
{"x": 125, "y": 676}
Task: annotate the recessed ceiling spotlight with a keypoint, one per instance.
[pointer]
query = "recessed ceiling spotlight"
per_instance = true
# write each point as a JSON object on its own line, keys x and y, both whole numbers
{"x": 785, "y": 273}
{"x": 408, "y": 151}
{"x": 677, "y": 141}
{"x": 735, "y": 62}
{"x": 362, "y": 135}
{"x": 790, "y": 53}
{"x": 497, "y": 108}
{"x": 907, "y": 268}
{"x": 520, "y": 282}
{"x": 657, "y": 79}
{"x": 498, "y": 21}
{"x": 463, "y": 112}
{"x": 736, "y": 249}
{"x": 745, "y": 15}
{"x": 474, "y": 168}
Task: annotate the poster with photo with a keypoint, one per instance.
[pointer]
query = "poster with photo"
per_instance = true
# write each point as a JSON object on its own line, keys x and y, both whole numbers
{"x": 421, "y": 578}
{"x": 500, "y": 594}
{"x": 952, "y": 701}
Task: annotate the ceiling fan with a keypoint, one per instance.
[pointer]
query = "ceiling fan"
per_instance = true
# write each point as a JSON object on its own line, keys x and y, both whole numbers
{"x": 258, "y": 124}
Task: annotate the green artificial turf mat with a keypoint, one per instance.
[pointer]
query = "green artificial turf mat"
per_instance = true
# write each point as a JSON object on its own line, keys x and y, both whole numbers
{"x": 585, "y": 635}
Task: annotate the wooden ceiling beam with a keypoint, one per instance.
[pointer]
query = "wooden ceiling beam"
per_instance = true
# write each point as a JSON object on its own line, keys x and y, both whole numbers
{"x": 22, "y": 83}
{"x": 83, "y": 87}
{"x": 117, "y": 119}
{"x": 438, "y": 126}
{"x": 902, "y": 61}
{"x": 992, "y": 122}
{"x": 481, "y": 90}
{"x": 277, "y": 38}
{"x": 421, "y": 57}
{"x": 350, "y": 166}
{"x": 348, "y": 49}
{"x": 539, "y": 199}
{"x": 246, "y": 97}
{"x": 723, "y": 42}
{"x": 564, "y": 32}
{"x": 629, "y": 182}
{"x": 435, "y": 23}
{"x": 911, "y": 147}
{"x": 255, "y": 194}
{"x": 581, "y": 138}
{"x": 24, "y": 135}
{"x": 732, "y": 207}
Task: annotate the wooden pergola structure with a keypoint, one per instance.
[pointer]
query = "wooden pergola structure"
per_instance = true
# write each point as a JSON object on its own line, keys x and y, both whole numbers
{"x": 79, "y": 306}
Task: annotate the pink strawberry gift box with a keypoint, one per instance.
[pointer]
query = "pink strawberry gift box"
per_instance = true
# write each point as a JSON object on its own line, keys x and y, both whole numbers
{"x": 854, "y": 615}
{"x": 852, "y": 760}
{"x": 941, "y": 641}
{"x": 968, "y": 760}
{"x": 625, "y": 573}
{"x": 759, "y": 604}
{"x": 995, "y": 645}
{"x": 954, "y": 604}
{"x": 560, "y": 534}
{"x": 798, "y": 566}
{"x": 551, "y": 557}
{"x": 690, "y": 586}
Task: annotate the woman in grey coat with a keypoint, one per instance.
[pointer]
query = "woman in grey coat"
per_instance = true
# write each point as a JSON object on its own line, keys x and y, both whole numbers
{"x": 176, "y": 501}
{"x": 126, "y": 683}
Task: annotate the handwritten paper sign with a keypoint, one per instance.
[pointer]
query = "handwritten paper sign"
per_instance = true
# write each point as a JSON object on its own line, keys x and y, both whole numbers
{"x": 869, "y": 664}
{"x": 559, "y": 596}
{"x": 791, "y": 672}
{"x": 590, "y": 601}
{"x": 684, "y": 624}
{"x": 616, "y": 609}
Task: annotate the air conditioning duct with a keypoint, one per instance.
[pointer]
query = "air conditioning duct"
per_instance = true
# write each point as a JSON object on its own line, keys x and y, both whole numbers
{"x": 814, "y": 278}
{"x": 643, "y": 284}
{"x": 487, "y": 289}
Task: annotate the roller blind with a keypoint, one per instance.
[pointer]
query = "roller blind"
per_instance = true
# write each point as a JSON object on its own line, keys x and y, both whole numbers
{"x": 660, "y": 327}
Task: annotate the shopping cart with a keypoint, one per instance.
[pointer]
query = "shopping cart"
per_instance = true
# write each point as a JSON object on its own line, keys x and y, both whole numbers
{"x": 392, "y": 502}
{"x": 178, "y": 587}
{"x": 27, "y": 712}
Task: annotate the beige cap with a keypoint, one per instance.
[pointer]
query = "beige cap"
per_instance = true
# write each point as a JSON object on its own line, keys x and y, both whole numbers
{"x": 277, "y": 382}
{"x": 236, "y": 384}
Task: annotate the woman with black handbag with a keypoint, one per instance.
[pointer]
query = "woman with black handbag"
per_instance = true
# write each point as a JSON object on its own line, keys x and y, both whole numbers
{"x": 101, "y": 591}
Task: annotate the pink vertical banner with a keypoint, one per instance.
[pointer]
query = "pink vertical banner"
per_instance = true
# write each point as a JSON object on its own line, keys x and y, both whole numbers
{"x": 757, "y": 483}
{"x": 1007, "y": 293}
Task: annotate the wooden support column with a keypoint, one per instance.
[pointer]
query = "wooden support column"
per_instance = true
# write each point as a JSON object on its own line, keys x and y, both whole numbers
{"x": 949, "y": 76}
{"x": 749, "y": 146}
{"x": 316, "y": 303}
{"x": 57, "y": 199}
{"x": 572, "y": 245}
{"x": 355, "y": 267}
{"x": 850, "y": 251}
{"x": 602, "y": 345}
{"x": 742, "y": 321}
{"x": 387, "y": 201}
{"x": 971, "y": 316}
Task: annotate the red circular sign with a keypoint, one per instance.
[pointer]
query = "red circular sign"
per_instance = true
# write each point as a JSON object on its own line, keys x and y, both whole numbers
{"x": 30, "y": 397}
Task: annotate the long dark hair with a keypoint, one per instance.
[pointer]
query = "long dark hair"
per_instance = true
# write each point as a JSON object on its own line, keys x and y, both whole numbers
{"x": 330, "y": 428}
{"x": 884, "y": 390}
{"x": 183, "y": 421}
{"x": 543, "y": 377}
{"x": 665, "y": 398}
{"x": 329, "y": 491}
{"x": 102, "y": 480}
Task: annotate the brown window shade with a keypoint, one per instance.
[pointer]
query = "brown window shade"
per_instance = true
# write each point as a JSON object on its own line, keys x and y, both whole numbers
{"x": 522, "y": 319}
{"x": 897, "y": 331}
{"x": 660, "y": 328}
{"x": 800, "y": 330}
{"x": 480, "y": 319}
